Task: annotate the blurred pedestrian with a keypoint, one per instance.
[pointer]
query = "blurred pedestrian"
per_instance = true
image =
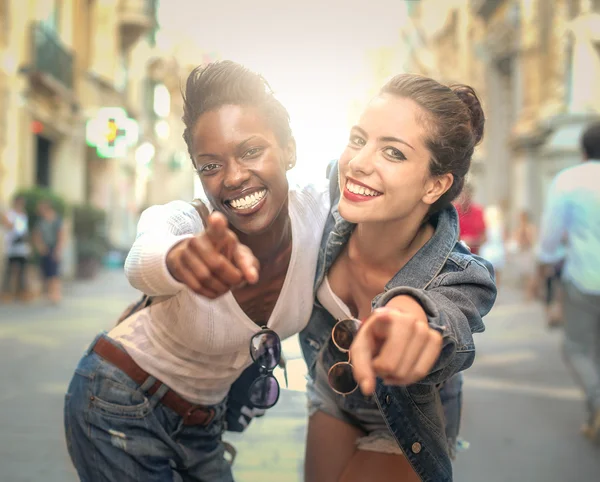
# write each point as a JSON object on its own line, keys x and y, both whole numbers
{"x": 522, "y": 254}
{"x": 471, "y": 220}
{"x": 49, "y": 239}
{"x": 16, "y": 242}
{"x": 493, "y": 248}
{"x": 572, "y": 213}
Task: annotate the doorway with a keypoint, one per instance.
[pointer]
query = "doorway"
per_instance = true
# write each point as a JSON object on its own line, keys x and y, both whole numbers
{"x": 43, "y": 161}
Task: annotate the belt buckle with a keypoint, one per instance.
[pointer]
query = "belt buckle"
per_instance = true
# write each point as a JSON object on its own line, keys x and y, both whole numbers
{"x": 194, "y": 408}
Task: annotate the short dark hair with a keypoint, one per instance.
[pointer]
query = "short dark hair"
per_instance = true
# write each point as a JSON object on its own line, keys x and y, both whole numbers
{"x": 225, "y": 82}
{"x": 590, "y": 141}
{"x": 454, "y": 122}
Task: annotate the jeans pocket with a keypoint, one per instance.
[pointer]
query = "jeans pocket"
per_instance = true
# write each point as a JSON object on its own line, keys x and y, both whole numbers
{"x": 116, "y": 399}
{"x": 216, "y": 426}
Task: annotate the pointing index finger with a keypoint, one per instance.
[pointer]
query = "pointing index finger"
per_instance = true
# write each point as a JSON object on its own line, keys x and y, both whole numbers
{"x": 246, "y": 262}
{"x": 217, "y": 230}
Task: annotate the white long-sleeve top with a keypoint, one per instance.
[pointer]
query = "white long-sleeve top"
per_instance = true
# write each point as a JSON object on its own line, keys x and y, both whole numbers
{"x": 197, "y": 346}
{"x": 572, "y": 213}
{"x": 19, "y": 229}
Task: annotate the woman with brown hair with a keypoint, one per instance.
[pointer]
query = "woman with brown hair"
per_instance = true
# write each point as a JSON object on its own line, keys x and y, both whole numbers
{"x": 391, "y": 257}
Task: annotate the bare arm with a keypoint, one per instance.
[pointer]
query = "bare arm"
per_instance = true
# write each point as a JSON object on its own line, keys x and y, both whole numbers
{"x": 173, "y": 250}
{"x": 5, "y": 221}
{"x": 423, "y": 335}
{"x": 38, "y": 242}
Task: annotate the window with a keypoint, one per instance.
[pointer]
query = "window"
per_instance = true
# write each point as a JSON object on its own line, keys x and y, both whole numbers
{"x": 122, "y": 75}
{"x": 50, "y": 11}
{"x": 545, "y": 13}
{"x": 149, "y": 86}
{"x": 4, "y": 22}
{"x": 569, "y": 71}
{"x": 87, "y": 31}
{"x": 162, "y": 100}
{"x": 573, "y": 8}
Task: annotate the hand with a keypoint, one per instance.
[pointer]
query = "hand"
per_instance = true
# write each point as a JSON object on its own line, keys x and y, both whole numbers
{"x": 397, "y": 346}
{"x": 214, "y": 262}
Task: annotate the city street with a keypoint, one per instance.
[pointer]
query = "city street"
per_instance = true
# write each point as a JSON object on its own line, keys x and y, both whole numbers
{"x": 522, "y": 410}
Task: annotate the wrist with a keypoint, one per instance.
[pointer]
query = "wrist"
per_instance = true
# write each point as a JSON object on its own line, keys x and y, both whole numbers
{"x": 172, "y": 257}
{"x": 407, "y": 304}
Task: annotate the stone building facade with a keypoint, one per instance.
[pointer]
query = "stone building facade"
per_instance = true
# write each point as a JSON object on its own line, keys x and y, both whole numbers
{"x": 536, "y": 67}
{"x": 60, "y": 62}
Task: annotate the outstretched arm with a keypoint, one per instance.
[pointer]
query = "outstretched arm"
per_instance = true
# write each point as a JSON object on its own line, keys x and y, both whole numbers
{"x": 424, "y": 335}
{"x": 173, "y": 250}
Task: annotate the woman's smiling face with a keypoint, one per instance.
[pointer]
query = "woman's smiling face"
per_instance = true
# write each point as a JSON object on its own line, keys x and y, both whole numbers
{"x": 242, "y": 166}
{"x": 384, "y": 170}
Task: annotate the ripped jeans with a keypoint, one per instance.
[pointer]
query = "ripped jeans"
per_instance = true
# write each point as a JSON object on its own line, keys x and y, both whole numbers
{"x": 116, "y": 432}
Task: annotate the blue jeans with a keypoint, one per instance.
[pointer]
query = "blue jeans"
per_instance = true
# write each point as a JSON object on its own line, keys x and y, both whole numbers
{"x": 582, "y": 342}
{"x": 115, "y": 432}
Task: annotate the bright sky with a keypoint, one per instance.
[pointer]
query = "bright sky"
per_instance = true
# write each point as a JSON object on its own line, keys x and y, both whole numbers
{"x": 313, "y": 53}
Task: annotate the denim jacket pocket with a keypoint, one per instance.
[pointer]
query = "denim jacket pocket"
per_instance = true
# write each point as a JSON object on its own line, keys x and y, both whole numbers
{"x": 115, "y": 399}
{"x": 426, "y": 400}
{"x": 421, "y": 393}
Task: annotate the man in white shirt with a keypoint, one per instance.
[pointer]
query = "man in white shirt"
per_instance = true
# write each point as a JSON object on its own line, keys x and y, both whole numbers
{"x": 572, "y": 213}
{"x": 16, "y": 245}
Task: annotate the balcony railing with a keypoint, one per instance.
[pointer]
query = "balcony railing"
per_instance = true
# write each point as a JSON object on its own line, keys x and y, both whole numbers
{"x": 137, "y": 17}
{"x": 50, "y": 56}
{"x": 146, "y": 7}
{"x": 485, "y": 8}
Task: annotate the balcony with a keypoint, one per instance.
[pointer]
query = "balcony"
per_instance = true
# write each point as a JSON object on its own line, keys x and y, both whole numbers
{"x": 485, "y": 8}
{"x": 52, "y": 62}
{"x": 136, "y": 18}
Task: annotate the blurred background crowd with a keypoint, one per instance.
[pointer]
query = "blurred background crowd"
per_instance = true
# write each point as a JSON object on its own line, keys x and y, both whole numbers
{"x": 90, "y": 100}
{"x": 90, "y": 116}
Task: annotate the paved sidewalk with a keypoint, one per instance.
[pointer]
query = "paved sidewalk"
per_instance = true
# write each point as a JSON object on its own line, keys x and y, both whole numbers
{"x": 522, "y": 410}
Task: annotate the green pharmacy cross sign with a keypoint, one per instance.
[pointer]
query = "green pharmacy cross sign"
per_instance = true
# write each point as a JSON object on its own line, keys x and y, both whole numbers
{"x": 111, "y": 132}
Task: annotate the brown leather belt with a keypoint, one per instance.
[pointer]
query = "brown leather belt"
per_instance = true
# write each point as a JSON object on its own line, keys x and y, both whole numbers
{"x": 192, "y": 414}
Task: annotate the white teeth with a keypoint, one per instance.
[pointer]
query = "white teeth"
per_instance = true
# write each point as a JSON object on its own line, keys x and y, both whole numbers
{"x": 249, "y": 201}
{"x": 363, "y": 191}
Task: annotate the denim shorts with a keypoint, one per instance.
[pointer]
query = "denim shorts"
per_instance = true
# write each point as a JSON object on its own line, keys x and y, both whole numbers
{"x": 116, "y": 432}
{"x": 50, "y": 267}
{"x": 354, "y": 409}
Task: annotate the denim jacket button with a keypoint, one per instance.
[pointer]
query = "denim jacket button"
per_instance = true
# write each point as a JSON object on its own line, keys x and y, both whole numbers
{"x": 388, "y": 399}
{"x": 416, "y": 448}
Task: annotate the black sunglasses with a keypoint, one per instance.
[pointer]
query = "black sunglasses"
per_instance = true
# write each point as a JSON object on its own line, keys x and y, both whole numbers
{"x": 340, "y": 377}
{"x": 265, "y": 350}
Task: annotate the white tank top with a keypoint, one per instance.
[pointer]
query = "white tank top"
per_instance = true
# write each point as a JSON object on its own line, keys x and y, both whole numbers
{"x": 331, "y": 302}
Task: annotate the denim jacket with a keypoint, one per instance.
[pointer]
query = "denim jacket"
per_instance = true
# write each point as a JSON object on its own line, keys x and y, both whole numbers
{"x": 456, "y": 289}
